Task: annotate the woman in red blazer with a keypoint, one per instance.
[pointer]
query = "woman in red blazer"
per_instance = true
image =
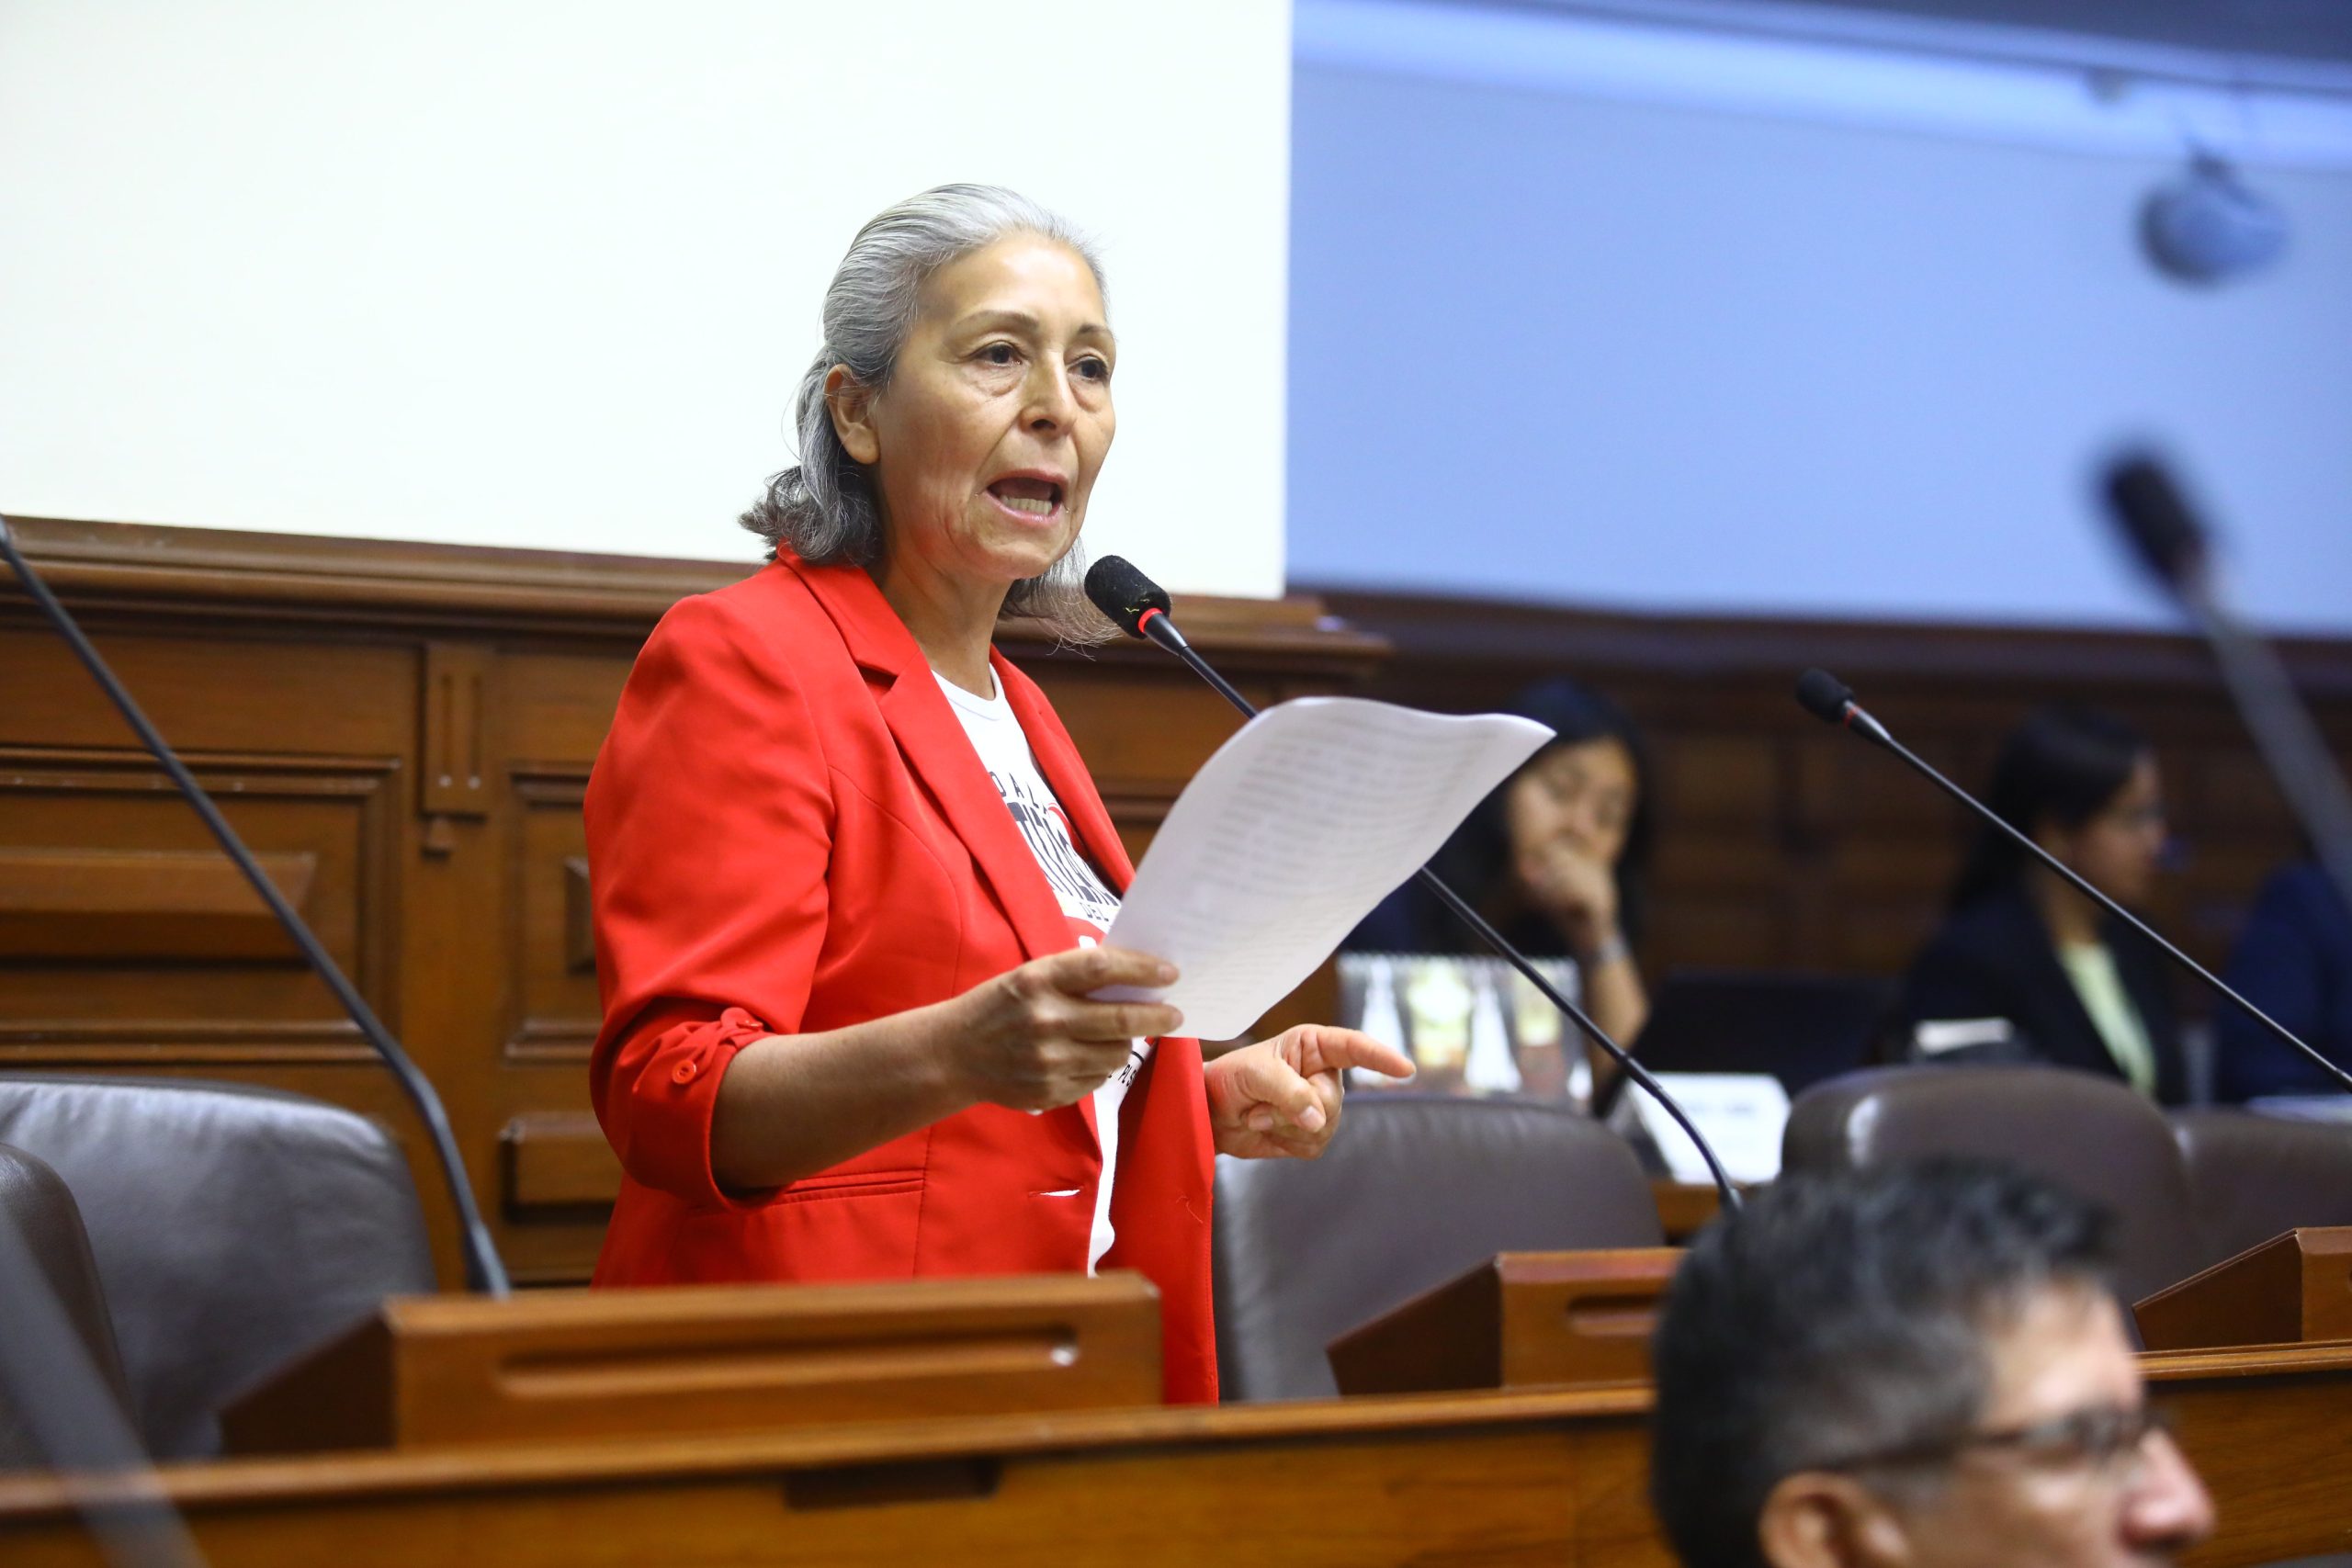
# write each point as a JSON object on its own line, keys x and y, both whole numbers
{"x": 846, "y": 962}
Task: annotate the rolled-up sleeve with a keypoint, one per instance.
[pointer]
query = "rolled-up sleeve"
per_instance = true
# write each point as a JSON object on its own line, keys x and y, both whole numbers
{"x": 709, "y": 822}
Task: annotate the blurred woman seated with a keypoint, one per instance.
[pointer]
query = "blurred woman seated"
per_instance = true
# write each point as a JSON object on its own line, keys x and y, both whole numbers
{"x": 1556, "y": 859}
{"x": 2027, "y": 968}
{"x": 2293, "y": 960}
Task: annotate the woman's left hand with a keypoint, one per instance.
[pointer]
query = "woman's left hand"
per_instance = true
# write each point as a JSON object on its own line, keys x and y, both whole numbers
{"x": 1280, "y": 1098}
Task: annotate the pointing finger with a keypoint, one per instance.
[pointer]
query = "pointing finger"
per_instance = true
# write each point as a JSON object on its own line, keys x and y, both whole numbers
{"x": 1283, "y": 1095}
{"x": 1329, "y": 1048}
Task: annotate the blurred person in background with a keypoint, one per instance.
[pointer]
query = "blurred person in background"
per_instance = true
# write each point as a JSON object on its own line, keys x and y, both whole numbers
{"x": 1556, "y": 858}
{"x": 2293, "y": 960}
{"x": 2024, "y": 967}
{"x": 1922, "y": 1366}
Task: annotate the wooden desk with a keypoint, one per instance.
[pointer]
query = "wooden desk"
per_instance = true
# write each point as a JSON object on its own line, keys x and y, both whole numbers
{"x": 1683, "y": 1208}
{"x": 2271, "y": 1431}
{"x": 2290, "y": 1290}
{"x": 1495, "y": 1478}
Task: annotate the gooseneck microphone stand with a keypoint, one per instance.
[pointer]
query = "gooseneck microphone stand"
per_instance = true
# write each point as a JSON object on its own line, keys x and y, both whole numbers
{"x": 2170, "y": 539}
{"x": 484, "y": 1273}
{"x": 1830, "y": 700}
{"x": 1139, "y": 607}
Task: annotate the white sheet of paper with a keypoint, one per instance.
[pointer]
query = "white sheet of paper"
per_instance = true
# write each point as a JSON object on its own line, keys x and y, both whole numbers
{"x": 1743, "y": 1114}
{"x": 1286, "y": 837}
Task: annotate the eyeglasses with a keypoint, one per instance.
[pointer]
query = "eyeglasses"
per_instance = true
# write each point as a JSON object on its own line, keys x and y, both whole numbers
{"x": 2100, "y": 1439}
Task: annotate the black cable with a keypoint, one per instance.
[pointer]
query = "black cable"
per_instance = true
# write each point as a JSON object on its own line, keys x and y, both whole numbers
{"x": 1153, "y": 625}
{"x": 484, "y": 1272}
{"x": 1830, "y": 700}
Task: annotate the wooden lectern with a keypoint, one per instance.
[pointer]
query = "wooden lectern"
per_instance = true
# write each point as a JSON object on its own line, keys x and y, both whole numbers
{"x": 1519, "y": 1320}
{"x": 2292, "y": 1289}
{"x": 433, "y": 1371}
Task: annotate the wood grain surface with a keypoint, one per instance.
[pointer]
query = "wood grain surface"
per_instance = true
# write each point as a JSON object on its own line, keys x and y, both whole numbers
{"x": 1519, "y": 1320}
{"x": 404, "y": 732}
{"x": 2293, "y": 1288}
{"x": 1506, "y": 1478}
{"x": 547, "y": 1366}
{"x": 326, "y": 689}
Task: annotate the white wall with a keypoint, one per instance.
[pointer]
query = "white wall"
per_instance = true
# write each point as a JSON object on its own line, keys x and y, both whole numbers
{"x": 545, "y": 274}
{"x": 1748, "y": 329}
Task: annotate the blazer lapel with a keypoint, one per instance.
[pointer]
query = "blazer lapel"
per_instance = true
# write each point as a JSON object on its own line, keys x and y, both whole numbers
{"x": 939, "y": 754}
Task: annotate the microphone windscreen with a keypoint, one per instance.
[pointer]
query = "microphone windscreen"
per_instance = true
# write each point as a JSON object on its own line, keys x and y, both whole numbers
{"x": 2154, "y": 517}
{"x": 1124, "y": 594}
{"x": 1824, "y": 695}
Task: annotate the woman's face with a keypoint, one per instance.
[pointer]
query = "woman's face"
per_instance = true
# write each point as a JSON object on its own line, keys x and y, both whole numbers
{"x": 986, "y": 442}
{"x": 1584, "y": 793}
{"x": 2119, "y": 850}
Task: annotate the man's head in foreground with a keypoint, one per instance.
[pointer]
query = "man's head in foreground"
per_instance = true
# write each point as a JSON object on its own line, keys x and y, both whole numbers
{"x": 1923, "y": 1366}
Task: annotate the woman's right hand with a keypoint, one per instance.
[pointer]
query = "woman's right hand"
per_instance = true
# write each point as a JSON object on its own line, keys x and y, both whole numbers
{"x": 1575, "y": 887}
{"x": 1030, "y": 1040}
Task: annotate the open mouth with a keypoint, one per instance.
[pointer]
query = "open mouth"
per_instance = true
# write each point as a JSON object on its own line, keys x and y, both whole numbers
{"x": 1028, "y": 495}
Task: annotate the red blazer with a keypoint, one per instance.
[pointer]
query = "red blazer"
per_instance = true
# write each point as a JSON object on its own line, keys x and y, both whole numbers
{"x": 788, "y": 831}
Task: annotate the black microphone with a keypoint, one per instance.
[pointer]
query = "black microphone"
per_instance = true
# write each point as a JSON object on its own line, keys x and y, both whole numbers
{"x": 2156, "y": 520}
{"x": 1830, "y": 699}
{"x": 2164, "y": 530}
{"x": 1140, "y": 608}
{"x": 484, "y": 1272}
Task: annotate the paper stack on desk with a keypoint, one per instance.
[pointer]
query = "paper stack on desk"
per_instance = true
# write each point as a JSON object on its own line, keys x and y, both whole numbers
{"x": 1287, "y": 837}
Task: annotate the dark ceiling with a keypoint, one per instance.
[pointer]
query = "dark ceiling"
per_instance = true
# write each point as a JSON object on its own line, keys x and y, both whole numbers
{"x": 2302, "y": 44}
{"x": 2317, "y": 31}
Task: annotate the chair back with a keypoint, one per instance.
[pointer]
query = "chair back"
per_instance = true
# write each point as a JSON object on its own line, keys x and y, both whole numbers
{"x": 233, "y": 1229}
{"x": 35, "y": 1203}
{"x": 1414, "y": 1191}
{"x": 2091, "y": 1134}
{"x": 2252, "y": 1178}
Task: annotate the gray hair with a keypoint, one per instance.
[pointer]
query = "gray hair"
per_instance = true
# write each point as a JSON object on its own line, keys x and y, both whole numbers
{"x": 1841, "y": 1317}
{"x": 822, "y": 508}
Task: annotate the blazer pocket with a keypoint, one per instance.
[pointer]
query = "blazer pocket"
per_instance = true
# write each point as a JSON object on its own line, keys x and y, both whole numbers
{"x": 852, "y": 1184}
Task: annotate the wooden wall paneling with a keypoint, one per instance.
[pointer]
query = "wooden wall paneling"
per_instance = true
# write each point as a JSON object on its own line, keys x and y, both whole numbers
{"x": 551, "y": 938}
{"x": 161, "y": 904}
{"x": 558, "y": 1176}
{"x": 454, "y": 726}
{"x": 557, "y": 1161}
{"x": 454, "y": 992}
{"x": 312, "y": 678}
{"x": 226, "y": 684}
{"x": 1856, "y": 853}
{"x": 165, "y": 944}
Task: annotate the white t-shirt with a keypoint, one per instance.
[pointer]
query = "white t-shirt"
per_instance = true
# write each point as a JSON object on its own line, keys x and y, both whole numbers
{"x": 1087, "y": 904}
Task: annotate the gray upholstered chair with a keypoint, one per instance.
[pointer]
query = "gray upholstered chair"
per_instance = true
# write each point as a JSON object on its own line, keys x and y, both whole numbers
{"x": 233, "y": 1228}
{"x": 1412, "y": 1191}
{"x": 40, "y": 1210}
{"x": 2092, "y": 1134}
{"x": 2252, "y": 1178}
